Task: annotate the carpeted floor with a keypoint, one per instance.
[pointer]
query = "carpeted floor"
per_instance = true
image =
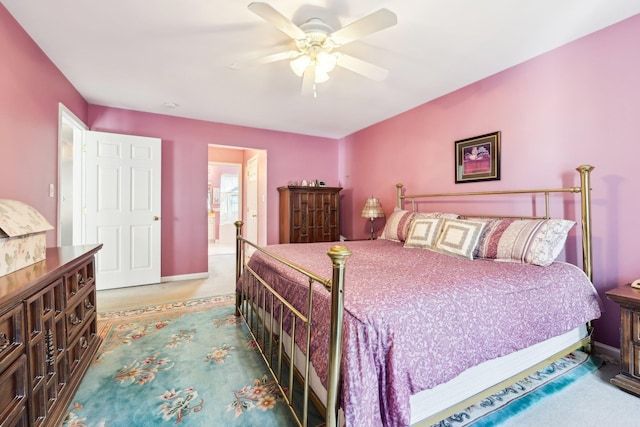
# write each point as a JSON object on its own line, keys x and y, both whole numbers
{"x": 524, "y": 394}
{"x": 193, "y": 363}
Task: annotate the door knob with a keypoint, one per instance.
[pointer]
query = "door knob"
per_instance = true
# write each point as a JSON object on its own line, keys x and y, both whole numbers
{"x": 156, "y": 217}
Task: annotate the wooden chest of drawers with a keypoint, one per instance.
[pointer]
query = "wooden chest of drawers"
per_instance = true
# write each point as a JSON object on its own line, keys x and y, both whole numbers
{"x": 629, "y": 301}
{"x": 309, "y": 214}
{"x": 48, "y": 335}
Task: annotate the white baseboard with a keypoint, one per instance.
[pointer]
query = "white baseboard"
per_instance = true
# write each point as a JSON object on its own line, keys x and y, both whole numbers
{"x": 192, "y": 276}
{"x": 606, "y": 352}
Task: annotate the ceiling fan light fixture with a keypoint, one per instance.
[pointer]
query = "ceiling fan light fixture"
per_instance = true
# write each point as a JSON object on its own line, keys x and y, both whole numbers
{"x": 325, "y": 62}
{"x": 320, "y": 76}
{"x": 300, "y": 64}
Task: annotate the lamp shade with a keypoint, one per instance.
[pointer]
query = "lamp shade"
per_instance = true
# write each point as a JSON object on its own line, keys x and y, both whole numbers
{"x": 372, "y": 209}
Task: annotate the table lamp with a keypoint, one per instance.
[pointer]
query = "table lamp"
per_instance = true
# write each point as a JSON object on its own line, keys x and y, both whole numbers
{"x": 372, "y": 210}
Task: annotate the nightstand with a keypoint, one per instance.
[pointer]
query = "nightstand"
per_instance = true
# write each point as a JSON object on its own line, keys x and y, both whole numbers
{"x": 629, "y": 301}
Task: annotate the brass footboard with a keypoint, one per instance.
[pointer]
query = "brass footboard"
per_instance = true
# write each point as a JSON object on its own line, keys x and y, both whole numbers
{"x": 265, "y": 311}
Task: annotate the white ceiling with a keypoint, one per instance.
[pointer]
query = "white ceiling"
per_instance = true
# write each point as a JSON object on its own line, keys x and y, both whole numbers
{"x": 143, "y": 54}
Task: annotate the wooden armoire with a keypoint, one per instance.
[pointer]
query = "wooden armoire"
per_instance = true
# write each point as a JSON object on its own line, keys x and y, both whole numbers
{"x": 309, "y": 214}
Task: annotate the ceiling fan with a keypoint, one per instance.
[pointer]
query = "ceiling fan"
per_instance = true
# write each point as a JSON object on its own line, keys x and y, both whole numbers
{"x": 316, "y": 43}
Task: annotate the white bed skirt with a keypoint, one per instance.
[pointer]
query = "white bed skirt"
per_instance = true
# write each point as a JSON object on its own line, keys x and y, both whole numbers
{"x": 479, "y": 378}
{"x": 431, "y": 402}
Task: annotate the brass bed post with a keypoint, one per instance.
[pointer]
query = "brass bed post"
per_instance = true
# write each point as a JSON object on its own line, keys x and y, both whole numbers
{"x": 585, "y": 195}
{"x": 338, "y": 255}
{"x": 587, "y": 257}
{"x": 239, "y": 258}
{"x": 399, "y": 192}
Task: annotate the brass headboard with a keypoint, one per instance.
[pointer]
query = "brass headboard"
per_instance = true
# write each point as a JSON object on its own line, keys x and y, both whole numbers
{"x": 585, "y": 192}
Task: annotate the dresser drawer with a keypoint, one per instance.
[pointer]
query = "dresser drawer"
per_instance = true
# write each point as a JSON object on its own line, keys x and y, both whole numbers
{"x": 13, "y": 392}
{"x": 83, "y": 308}
{"x": 82, "y": 343}
{"x": 79, "y": 279}
{"x": 635, "y": 326}
{"x": 11, "y": 335}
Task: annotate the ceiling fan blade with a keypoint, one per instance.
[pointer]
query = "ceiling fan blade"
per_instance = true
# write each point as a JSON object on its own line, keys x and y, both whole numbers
{"x": 269, "y": 14}
{"x": 361, "y": 67}
{"x": 309, "y": 81}
{"x": 369, "y": 24}
{"x": 280, "y": 56}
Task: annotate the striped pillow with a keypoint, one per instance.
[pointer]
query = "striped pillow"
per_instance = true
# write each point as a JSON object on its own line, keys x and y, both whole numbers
{"x": 530, "y": 241}
{"x": 397, "y": 226}
{"x": 459, "y": 237}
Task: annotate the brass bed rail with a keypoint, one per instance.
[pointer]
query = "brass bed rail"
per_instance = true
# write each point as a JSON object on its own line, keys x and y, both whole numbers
{"x": 252, "y": 308}
{"x": 256, "y": 302}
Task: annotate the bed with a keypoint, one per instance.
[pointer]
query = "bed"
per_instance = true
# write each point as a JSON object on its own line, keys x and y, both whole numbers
{"x": 411, "y": 328}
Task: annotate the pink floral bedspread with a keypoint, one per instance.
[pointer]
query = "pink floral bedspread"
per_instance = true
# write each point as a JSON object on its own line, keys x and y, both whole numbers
{"x": 415, "y": 318}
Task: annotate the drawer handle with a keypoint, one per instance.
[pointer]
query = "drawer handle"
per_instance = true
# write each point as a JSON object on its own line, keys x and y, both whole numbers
{"x": 4, "y": 342}
{"x": 75, "y": 320}
{"x": 83, "y": 342}
{"x": 87, "y": 304}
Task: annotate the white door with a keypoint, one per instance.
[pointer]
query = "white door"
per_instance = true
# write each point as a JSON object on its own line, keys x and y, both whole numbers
{"x": 251, "y": 228}
{"x": 123, "y": 207}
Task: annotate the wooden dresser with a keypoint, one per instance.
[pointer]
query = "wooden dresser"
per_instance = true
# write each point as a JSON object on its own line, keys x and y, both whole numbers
{"x": 48, "y": 335}
{"x": 309, "y": 214}
{"x": 629, "y": 301}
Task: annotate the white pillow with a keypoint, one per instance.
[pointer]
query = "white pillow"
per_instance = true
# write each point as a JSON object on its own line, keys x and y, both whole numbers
{"x": 424, "y": 232}
{"x": 459, "y": 237}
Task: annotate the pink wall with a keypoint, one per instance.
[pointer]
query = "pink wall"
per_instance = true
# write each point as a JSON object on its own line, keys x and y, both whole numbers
{"x": 31, "y": 88}
{"x": 185, "y": 146}
{"x": 225, "y": 155}
{"x": 577, "y": 104}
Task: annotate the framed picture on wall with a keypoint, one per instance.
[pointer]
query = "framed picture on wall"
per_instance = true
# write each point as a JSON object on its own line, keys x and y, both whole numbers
{"x": 478, "y": 158}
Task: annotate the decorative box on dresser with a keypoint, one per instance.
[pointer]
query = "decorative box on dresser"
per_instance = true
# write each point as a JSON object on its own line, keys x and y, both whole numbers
{"x": 309, "y": 214}
{"x": 48, "y": 335}
{"x": 628, "y": 299}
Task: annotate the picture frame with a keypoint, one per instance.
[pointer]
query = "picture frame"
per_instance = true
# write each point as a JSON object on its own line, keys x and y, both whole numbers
{"x": 478, "y": 158}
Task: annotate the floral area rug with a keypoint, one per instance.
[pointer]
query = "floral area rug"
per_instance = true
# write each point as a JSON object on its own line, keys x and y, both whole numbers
{"x": 191, "y": 363}
{"x": 512, "y": 400}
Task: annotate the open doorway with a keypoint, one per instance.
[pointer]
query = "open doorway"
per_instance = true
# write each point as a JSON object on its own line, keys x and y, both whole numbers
{"x": 250, "y": 201}
{"x": 224, "y": 201}
{"x": 70, "y": 183}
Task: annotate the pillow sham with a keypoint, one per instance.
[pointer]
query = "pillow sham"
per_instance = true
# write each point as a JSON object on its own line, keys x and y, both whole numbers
{"x": 481, "y": 250}
{"x": 459, "y": 237}
{"x": 397, "y": 226}
{"x": 530, "y": 241}
{"x": 436, "y": 215}
{"x": 424, "y": 232}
